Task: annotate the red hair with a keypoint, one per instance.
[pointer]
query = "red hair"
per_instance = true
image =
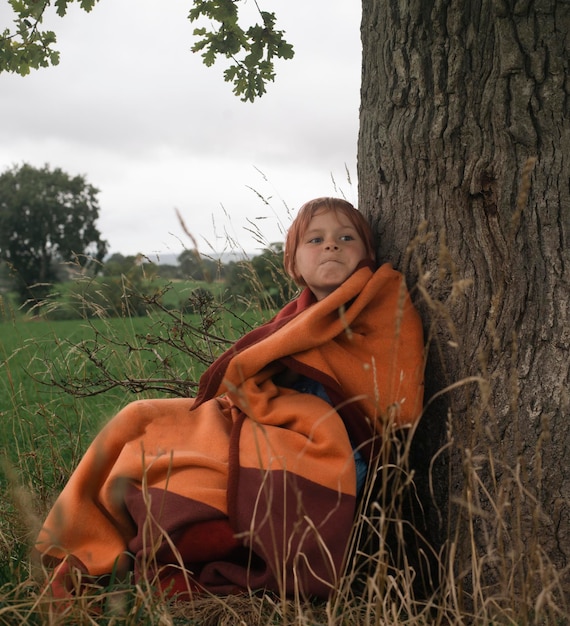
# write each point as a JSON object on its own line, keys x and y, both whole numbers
{"x": 300, "y": 224}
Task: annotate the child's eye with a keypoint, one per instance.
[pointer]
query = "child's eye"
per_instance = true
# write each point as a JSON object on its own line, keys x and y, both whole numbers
{"x": 315, "y": 240}
{"x": 347, "y": 238}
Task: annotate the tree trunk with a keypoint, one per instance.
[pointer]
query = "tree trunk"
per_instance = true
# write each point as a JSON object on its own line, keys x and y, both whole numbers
{"x": 458, "y": 99}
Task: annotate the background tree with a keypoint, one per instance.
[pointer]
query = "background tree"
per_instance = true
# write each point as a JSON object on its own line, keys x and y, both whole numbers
{"x": 117, "y": 264}
{"x": 193, "y": 265}
{"x": 46, "y": 217}
{"x": 262, "y": 278}
{"x": 458, "y": 100}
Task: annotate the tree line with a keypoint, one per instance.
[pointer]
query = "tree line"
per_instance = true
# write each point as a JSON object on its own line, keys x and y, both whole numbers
{"x": 49, "y": 236}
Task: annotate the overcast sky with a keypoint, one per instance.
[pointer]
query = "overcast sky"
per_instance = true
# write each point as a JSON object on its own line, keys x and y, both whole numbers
{"x": 132, "y": 109}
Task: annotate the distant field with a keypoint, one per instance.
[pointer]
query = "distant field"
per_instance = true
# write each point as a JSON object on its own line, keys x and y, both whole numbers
{"x": 24, "y": 346}
{"x": 44, "y": 430}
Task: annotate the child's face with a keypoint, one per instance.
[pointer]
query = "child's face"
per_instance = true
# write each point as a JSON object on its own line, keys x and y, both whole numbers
{"x": 328, "y": 252}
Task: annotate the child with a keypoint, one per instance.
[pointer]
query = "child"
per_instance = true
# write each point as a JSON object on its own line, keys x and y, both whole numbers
{"x": 254, "y": 483}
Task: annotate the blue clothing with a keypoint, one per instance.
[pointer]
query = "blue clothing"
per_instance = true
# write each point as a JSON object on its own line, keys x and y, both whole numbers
{"x": 303, "y": 384}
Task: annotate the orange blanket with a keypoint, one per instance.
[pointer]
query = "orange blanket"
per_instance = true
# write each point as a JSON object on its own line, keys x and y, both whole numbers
{"x": 251, "y": 485}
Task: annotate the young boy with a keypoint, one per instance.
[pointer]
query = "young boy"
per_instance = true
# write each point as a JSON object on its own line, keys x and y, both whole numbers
{"x": 327, "y": 241}
{"x": 254, "y": 483}
{"x": 325, "y": 244}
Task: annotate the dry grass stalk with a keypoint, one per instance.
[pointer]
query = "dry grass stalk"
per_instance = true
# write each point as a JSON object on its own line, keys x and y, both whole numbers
{"x": 507, "y": 577}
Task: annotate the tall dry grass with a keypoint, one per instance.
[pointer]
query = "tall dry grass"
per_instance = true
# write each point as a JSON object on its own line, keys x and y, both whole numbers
{"x": 424, "y": 549}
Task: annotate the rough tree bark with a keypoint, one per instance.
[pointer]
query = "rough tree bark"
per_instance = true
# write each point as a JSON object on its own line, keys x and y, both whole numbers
{"x": 456, "y": 98}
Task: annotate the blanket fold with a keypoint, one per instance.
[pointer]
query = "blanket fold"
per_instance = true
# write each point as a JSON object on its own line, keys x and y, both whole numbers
{"x": 252, "y": 484}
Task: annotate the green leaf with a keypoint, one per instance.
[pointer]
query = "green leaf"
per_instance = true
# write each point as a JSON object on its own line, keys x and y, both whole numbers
{"x": 61, "y": 7}
{"x": 27, "y": 47}
{"x": 87, "y": 5}
{"x": 252, "y": 51}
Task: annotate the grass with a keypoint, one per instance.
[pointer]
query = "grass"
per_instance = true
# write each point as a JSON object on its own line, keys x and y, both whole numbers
{"x": 488, "y": 568}
{"x": 45, "y": 427}
{"x": 37, "y": 355}
{"x": 45, "y": 431}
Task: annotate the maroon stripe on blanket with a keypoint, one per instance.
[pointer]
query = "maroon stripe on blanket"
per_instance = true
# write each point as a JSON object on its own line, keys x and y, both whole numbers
{"x": 158, "y": 513}
{"x": 297, "y": 529}
{"x": 292, "y": 535}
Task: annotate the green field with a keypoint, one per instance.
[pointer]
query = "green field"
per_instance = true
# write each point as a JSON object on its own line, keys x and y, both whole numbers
{"x": 32, "y": 409}
{"x": 61, "y": 380}
{"x": 36, "y": 356}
